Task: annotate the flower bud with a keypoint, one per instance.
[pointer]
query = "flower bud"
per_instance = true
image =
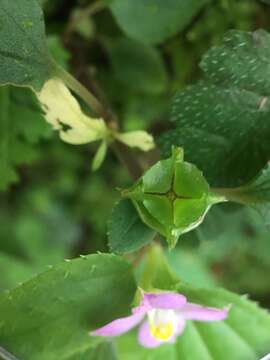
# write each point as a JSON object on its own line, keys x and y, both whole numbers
{"x": 172, "y": 197}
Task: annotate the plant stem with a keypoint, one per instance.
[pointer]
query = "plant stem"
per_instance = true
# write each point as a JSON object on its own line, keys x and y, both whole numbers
{"x": 80, "y": 90}
{"x": 232, "y": 194}
{"x": 86, "y": 12}
{"x": 127, "y": 158}
{"x": 5, "y": 355}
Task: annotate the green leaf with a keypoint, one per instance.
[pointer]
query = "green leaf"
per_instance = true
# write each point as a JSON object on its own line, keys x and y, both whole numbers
{"x": 21, "y": 126}
{"x": 24, "y": 59}
{"x": 129, "y": 349}
{"x": 191, "y": 266}
{"x": 126, "y": 231}
{"x": 70, "y": 300}
{"x": 244, "y": 335}
{"x": 13, "y": 271}
{"x": 153, "y": 21}
{"x": 256, "y": 193}
{"x": 57, "y": 51}
{"x": 143, "y": 72}
{"x": 223, "y": 122}
{"x": 103, "y": 351}
{"x": 99, "y": 156}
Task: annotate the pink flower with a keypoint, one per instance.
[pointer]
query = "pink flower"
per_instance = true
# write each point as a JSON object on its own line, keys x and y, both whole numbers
{"x": 162, "y": 317}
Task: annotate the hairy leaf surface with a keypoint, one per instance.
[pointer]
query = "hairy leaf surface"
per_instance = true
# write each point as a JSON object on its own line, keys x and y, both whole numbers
{"x": 223, "y": 122}
{"x": 24, "y": 59}
{"x": 49, "y": 317}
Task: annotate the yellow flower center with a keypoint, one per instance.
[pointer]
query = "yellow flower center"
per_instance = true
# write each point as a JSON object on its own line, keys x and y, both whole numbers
{"x": 162, "y": 332}
{"x": 162, "y": 324}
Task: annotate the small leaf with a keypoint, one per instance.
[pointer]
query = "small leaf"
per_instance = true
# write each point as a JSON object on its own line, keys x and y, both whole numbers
{"x": 24, "y": 58}
{"x": 70, "y": 300}
{"x": 100, "y": 156}
{"x": 126, "y": 231}
{"x": 143, "y": 72}
{"x": 157, "y": 19}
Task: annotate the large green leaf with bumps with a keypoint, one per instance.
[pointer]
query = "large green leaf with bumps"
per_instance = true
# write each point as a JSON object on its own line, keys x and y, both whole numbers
{"x": 153, "y": 21}
{"x": 50, "y": 316}
{"x": 223, "y": 122}
{"x": 24, "y": 59}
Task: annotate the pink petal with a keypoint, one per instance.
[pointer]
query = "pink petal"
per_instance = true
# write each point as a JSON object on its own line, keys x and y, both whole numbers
{"x": 201, "y": 313}
{"x": 119, "y": 326}
{"x": 180, "y": 327}
{"x": 167, "y": 300}
{"x": 145, "y": 338}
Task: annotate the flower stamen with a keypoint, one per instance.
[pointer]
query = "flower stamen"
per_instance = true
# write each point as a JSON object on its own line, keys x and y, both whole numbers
{"x": 162, "y": 332}
{"x": 162, "y": 324}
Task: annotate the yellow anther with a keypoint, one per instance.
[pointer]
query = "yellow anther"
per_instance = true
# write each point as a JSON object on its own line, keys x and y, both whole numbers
{"x": 162, "y": 331}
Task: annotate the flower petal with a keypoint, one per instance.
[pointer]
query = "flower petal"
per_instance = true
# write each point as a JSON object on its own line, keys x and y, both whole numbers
{"x": 62, "y": 108}
{"x": 119, "y": 326}
{"x": 167, "y": 300}
{"x": 145, "y": 338}
{"x": 201, "y": 313}
{"x": 140, "y": 139}
{"x": 180, "y": 326}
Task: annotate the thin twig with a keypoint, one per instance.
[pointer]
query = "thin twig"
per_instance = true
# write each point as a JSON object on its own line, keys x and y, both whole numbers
{"x": 127, "y": 158}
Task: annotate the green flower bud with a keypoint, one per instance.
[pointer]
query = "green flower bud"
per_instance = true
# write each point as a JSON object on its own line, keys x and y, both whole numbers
{"x": 172, "y": 197}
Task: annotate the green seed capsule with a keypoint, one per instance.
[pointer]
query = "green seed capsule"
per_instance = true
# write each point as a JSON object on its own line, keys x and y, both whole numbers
{"x": 172, "y": 197}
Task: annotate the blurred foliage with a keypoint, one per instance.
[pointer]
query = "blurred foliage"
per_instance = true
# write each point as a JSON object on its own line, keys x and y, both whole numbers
{"x": 52, "y": 206}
